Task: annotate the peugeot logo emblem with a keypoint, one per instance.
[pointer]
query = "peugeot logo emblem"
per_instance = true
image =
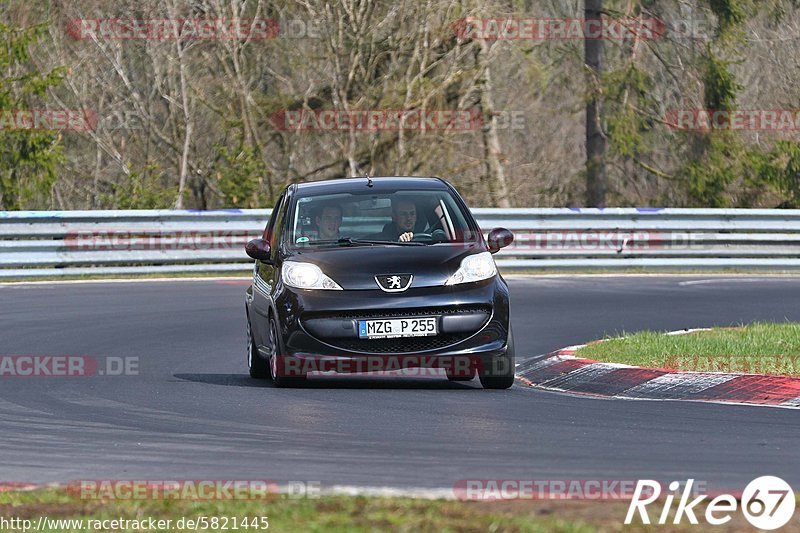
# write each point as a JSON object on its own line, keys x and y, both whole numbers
{"x": 394, "y": 282}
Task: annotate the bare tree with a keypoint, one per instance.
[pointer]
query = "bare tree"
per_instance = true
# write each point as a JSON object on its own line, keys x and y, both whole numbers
{"x": 596, "y": 141}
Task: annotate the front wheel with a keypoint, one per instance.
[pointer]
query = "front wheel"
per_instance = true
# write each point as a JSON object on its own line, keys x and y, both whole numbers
{"x": 276, "y": 365}
{"x": 259, "y": 369}
{"x": 500, "y": 373}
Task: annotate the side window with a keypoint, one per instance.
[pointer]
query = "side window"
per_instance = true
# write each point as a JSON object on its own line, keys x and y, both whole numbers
{"x": 277, "y": 230}
{"x": 270, "y": 229}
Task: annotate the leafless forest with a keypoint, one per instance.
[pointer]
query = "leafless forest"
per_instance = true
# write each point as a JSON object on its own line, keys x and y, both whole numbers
{"x": 196, "y": 122}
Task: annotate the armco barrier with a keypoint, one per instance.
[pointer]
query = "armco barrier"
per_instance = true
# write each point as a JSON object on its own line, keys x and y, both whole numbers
{"x": 59, "y": 243}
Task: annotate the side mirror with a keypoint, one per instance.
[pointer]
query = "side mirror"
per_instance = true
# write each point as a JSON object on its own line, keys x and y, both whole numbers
{"x": 499, "y": 238}
{"x": 258, "y": 249}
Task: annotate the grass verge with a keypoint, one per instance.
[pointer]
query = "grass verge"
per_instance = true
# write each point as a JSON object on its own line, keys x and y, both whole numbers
{"x": 329, "y": 513}
{"x": 759, "y": 348}
{"x": 336, "y": 513}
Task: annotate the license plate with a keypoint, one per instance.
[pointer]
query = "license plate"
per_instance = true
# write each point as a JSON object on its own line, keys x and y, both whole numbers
{"x": 397, "y": 327}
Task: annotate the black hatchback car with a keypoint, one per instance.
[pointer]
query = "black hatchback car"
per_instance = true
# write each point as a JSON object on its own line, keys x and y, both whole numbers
{"x": 377, "y": 274}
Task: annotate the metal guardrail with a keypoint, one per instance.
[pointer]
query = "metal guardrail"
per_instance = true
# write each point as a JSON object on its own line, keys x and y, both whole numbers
{"x": 63, "y": 243}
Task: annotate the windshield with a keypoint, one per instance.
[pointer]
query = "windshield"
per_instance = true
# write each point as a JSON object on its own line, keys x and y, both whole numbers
{"x": 369, "y": 218}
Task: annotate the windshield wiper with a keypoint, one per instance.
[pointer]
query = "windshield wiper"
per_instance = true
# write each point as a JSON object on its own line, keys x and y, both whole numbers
{"x": 348, "y": 241}
{"x": 321, "y": 243}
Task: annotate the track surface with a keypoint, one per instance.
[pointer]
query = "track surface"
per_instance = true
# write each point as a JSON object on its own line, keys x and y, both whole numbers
{"x": 192, "y": 413}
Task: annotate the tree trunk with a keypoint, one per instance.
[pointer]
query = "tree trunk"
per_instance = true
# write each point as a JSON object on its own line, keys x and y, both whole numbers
{"x": 595, "y": 138}
{"x": 495, "y": 175}
{"x": 187, "y": 137}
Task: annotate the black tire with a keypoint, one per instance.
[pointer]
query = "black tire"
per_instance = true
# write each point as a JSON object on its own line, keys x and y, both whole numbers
{"x": 276, "y": 348}
{"x": 259, "y": 369}
{"x": 500, "y": 374}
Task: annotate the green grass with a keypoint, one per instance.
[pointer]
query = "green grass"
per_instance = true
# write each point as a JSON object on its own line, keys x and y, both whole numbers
{"x": 759, "y": 348}
{"x": 347, "y": 513}
{"x": 328, "y": 513}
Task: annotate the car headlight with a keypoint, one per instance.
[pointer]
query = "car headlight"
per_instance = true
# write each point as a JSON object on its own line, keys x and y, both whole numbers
{"x": 475, "y": 267}
{"x": 306, "y": 276}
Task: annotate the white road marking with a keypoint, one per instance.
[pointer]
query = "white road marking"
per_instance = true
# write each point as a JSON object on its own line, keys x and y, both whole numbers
{"x": 544, "y": 363}
{"x": 682, "y": 383}
{"x": 738, "y": 280}
{"x": 592, "y": 396}
{"x": 418, "y": 493}
{"x": 794, "y": 402}
{"x": 580, "y": 376}
{"x": 570, "y": 350}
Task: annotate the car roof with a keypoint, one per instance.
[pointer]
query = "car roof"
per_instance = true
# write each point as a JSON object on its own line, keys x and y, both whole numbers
{"x": 379, "y": 184}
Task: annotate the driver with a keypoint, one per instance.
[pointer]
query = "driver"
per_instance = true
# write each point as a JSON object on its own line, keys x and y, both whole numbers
{"x": 328, "y": 221}
{"x": 404, "y": 218}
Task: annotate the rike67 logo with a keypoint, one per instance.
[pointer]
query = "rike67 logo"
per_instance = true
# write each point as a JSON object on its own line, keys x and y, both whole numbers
{"x": 767, "y": 502}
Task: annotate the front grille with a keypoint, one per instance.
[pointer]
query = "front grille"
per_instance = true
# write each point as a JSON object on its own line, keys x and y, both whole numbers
{"x": 401, "y": 344}
{"x": 398, "y": 345}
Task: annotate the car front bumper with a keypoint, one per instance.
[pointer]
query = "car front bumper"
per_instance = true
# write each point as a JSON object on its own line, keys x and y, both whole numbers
{"x": 319, "y": 330}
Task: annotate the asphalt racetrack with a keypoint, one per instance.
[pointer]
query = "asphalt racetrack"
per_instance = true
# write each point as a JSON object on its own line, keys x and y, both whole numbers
{"x": 193, "y": 413}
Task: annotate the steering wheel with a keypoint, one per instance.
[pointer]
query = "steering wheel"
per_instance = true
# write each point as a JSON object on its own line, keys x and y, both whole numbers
{"x": 421, "y": 237}
{"x": 438, "y": 235}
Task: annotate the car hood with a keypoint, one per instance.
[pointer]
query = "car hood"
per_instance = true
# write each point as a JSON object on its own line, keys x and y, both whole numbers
{"x": 355, "y": 267}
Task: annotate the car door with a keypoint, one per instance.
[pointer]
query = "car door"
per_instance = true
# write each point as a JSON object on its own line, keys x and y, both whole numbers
{"x": 264, "y": 273}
